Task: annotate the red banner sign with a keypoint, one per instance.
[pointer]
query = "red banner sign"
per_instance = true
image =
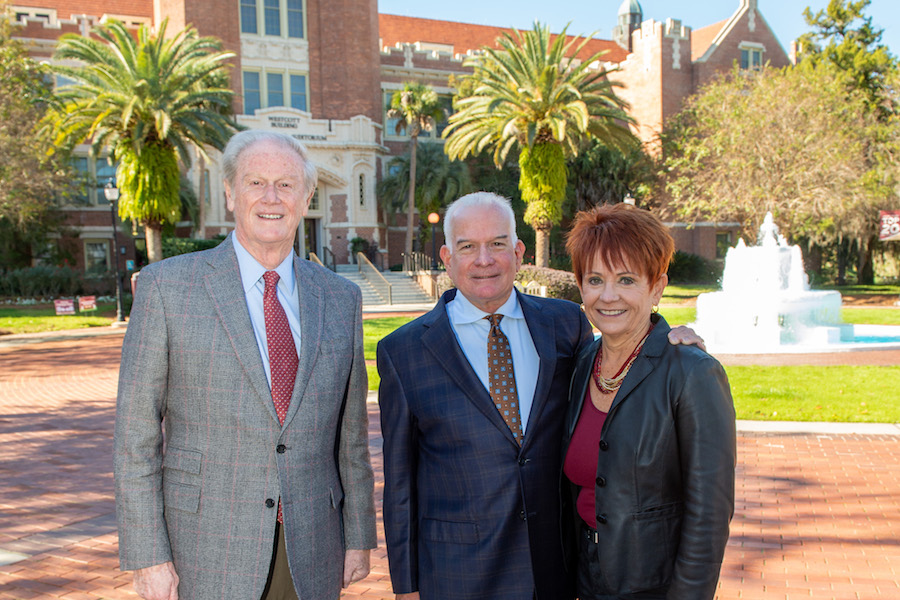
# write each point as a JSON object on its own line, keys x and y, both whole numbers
{"x": 65, "y": 306}
{"x": 87, "y": 303}
{"x": 890, "y": 226}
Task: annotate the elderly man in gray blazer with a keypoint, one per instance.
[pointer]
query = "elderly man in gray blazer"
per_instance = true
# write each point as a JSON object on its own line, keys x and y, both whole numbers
{"x": 241, "y": 445}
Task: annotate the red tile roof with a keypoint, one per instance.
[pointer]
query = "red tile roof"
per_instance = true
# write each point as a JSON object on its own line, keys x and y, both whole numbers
{"x": 703, "y": 37}
{"x": 463, "y": 37}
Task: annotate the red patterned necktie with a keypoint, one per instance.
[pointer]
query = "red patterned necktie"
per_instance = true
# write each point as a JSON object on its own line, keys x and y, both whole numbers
{"x": 502, "y": 378}
{"x": 282, "y": 352}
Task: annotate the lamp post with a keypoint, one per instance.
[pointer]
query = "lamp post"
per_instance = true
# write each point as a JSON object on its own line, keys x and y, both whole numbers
{"x": 112, "y": 195}
{"x": 433, "y": 218}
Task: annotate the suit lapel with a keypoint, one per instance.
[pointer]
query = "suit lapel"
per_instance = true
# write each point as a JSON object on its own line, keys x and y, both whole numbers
{"x": 312, "y": 318}
{"x": 439, "y": 339}
{"x": 543, "y": 334}
{"x": 223, "y": 283}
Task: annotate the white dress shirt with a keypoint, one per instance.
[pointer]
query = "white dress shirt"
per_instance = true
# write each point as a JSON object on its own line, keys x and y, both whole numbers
{"x": 472, "y": 330}
{"x": 254, "y": 288}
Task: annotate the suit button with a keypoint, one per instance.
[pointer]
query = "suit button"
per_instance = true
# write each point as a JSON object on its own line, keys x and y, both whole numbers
{"x": 601, "y": 519}
{"x": 601, "y": 482}
{"x": 522, "y": 515}
{"x": 522, "y": 462}
{"x": 280, "y": 448}
{"x": 269, "y": 503}
{"x": 603, "y": 445}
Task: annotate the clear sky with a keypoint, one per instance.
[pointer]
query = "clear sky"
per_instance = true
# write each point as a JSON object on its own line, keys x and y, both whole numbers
{"x": 785, "y": 17}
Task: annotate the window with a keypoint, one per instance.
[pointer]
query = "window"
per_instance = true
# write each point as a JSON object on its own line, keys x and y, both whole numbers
{"x": 295, "y": 18}
{"x": 275, "y": 83}
{"x": 91, "y": 177}
{"x": 277, "y": 17}
{"x": 723, "y": 243}
{"x": 314, "y": 201}
{"x": 105, "y": 173}
{"x": 96, "y": 256}
{"x": 272, "y": 13}
{"x": 80, "y": 194}
{"x": 248, "y": 16}
{"x": 362, "y": 189}
{"x": 274, "y": 91}
{"x": 252, "y": 93}
{"x": 298, "y": 92}
{"x": 751, "y": 57}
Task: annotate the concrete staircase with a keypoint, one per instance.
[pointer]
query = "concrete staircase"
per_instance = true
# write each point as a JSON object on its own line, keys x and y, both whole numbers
{"x": 404, "y": 290}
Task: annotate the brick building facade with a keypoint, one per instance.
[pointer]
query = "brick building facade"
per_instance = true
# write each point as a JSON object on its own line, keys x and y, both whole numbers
{"x": 324, "y": 71}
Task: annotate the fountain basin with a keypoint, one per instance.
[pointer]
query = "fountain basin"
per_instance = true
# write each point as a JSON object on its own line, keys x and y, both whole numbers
{"x": 807, "y": 318}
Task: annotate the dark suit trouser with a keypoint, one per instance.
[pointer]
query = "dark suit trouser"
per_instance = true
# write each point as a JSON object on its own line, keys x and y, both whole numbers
{"x": 279, "y": 586}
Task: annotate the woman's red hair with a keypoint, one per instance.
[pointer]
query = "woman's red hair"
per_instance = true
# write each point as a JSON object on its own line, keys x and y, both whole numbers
{"x": 620, "y": 235}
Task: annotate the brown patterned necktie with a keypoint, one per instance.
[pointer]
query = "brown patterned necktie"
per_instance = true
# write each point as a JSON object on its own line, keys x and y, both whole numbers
{"x": 282, "y": 352}
{"x": 502, "y": 378}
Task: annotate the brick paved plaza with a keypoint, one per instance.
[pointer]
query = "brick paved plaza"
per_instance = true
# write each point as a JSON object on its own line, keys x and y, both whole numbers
{"x": 817, "y": 516}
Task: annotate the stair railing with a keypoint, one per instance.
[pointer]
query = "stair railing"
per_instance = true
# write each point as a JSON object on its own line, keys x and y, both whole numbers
{"x": 315, "y": 259}
{"x": 329, "y": 262}
{"x": 374, "y": 277}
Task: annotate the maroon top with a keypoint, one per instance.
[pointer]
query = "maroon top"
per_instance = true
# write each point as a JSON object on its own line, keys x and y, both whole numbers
{"x": 581, "y": 459}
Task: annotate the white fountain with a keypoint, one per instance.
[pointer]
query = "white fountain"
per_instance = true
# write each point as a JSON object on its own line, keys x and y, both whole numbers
{"x": 766, "y": 304}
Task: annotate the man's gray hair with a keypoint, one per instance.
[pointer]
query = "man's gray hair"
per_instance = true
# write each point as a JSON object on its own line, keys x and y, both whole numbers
{"x": 239, "y": 142}
{"x": 479, "y": 200}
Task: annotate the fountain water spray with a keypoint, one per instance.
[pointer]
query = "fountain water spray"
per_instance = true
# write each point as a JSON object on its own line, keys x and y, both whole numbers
{"x": 766, "y": 303}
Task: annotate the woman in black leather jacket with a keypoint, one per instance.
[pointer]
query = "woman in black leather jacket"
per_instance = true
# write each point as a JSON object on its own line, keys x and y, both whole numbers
{"x": 650, "y": 437}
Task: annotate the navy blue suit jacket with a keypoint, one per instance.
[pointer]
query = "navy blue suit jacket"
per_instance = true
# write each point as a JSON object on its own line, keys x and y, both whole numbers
{"x": 468, "y": 514}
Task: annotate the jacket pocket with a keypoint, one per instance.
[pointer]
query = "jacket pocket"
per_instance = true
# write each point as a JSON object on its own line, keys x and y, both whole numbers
{"x": 180, "y": 496}
{"x": 663, "y": 511}
{"x": 450, "y": 532}
{"x": 180, "y": 459}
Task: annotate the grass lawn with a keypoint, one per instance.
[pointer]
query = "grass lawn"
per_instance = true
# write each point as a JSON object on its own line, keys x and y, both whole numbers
{"x": 803, "y": 393}
{"x": 860, "y": 394}
{"x": 42, "y": 317}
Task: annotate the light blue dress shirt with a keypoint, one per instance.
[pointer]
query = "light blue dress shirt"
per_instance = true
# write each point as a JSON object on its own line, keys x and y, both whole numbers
{"x": 255, "y": 286}
{"x": 472, "y": 330}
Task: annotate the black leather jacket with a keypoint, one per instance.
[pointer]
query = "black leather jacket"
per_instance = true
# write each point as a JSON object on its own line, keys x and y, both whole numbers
{"x": 665, "y": 476}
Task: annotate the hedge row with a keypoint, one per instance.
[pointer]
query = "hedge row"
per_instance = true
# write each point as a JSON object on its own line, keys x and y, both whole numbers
{"x": 54, "y": 282}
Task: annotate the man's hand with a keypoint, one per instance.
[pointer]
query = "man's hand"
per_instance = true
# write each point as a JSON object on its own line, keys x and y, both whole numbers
{"x": 687, "y": 336}
{"x": 409, "y": 596}
{"x": 356, "y": 566}
{"x": 159, "y": 582}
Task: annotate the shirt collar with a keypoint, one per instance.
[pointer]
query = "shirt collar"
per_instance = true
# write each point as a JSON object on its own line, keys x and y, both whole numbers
{"x": 252, "y": 271}
{"x": 465, "y": 312}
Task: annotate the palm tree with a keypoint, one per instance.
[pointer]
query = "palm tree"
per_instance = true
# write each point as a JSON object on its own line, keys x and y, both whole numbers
{"x": 439, "y": 182}
{"x": 418, "y": 109}
{"x": 530, "y": 94}
{"x": 147, "y": 101}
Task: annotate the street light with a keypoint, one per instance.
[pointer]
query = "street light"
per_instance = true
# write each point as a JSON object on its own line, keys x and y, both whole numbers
{"x": 433, "y": 218}
{"x": 112, "y": 195}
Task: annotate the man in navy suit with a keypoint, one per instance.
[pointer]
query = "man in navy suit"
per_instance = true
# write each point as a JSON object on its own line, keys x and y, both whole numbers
{"x": 468, "y": 511}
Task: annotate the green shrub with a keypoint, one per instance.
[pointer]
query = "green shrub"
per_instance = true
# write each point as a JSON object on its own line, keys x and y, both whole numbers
{"x": 560, "y": 284}
{"x": 174, "y": 246}
{"x": 54, "y": 282}
{"x": 691, "y": 268}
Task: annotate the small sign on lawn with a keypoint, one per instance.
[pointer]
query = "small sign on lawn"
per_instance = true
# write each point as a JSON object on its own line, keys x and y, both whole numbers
{"x": 87, "y": 303}
{"x": 890, "y": 226}
{"x": 65, "y": 306}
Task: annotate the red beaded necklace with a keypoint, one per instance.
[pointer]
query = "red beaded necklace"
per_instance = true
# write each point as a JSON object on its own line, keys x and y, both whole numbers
{"x": 609, "y": 386}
